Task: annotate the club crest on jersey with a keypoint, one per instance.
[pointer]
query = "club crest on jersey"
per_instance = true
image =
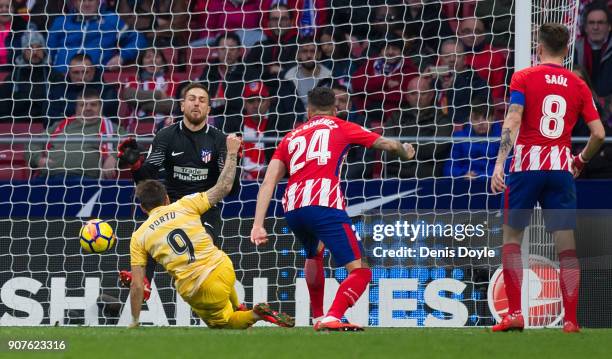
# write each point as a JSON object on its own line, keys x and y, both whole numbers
{"x": 206, "y": 156}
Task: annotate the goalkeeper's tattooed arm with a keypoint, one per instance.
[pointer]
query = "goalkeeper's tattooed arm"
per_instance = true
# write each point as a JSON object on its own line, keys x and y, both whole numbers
{"x": 136, "y": 294}
{"x": 226, "y": 178}
{"x": 512, "y": 122}
{"x": 405, "y": 151}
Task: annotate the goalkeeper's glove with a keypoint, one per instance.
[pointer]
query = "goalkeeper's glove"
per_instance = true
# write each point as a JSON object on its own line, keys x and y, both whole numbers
{"x": 125, "y": 277}
{"x": 129, "y": 154}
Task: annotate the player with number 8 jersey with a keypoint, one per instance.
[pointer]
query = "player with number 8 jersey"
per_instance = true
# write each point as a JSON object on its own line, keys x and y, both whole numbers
{"x": 545, "y": 104}
{"x": 312, "y": 155}
{"x": 554, "y": 98}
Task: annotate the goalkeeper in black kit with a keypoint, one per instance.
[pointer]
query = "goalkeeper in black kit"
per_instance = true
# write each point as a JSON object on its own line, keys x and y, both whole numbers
{"x": 191, "y": 153}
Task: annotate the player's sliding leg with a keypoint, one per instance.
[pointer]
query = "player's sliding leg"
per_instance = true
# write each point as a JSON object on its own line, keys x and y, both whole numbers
{"x": 347, "y": 295}
{"x": 263, "y": 311}
{"x": 216, "y": 302}
{"x": 513, "y": 280}
{"x": 315, "y": 280}
{"x": 221, "y": 315}
{"x": 235, "y": 302}
{"x": 569, "y": 278}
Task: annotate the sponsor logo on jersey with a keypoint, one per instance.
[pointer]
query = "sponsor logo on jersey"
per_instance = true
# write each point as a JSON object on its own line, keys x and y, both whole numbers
{"x": 544, "y": 292}
{"x": 190, "y": 174}
{"x": 206, "y": 156}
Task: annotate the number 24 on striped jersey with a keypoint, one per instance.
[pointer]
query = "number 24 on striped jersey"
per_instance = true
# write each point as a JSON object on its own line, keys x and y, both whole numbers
{"x": 317, "y": 149}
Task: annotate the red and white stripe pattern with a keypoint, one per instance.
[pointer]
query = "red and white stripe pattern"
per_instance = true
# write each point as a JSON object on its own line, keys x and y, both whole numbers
{"x": 541, "y": 158}
{"x": 253, "y": 155}
{"x": 313, "y": 192}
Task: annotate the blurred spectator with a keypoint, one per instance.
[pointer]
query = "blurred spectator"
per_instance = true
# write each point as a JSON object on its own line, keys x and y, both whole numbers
{"x": 351, "y": 16}
{"x": 335, "y": 54}
{"x": 12, "y": 27}
{"x": 20, "y": 7}
{"x": 385, "y": 21}
{"x": 489, "y": 62}
{"x": 417, "y": 51}
{"x": 344, "y": 107}
{"x": 420, "y": 120}
{"x": 82, "y": 73}
{"x": 93, "y": 31}
{"x": 310, "y": 14}
{"x": 593, "y": 51}
{"x": 225, "y": 81}
{"x": 26, "y": 95}
{"x": 308, "y": 73}
{"x": 150, "y": 93}
{"x": 378, "y": 84}
{"x": 262, "y": 117}
{"x": 358, "y": 159}
{"x": 65, "y": 159}
{"x": 287, "y": 106}
{"x": 475, "y": 159}
{"x": 258, "y": 122}
{"x": 40, "y": 13}
{"x": 163, "y": 23}
{"x": 498, "y": 15}
{"x": 600, "y": 166}
{"x": 456, "y": 83}
{"x": 219, "y": 16}
{"x": 427, "y": 21}
{"x": 277, "y": 53}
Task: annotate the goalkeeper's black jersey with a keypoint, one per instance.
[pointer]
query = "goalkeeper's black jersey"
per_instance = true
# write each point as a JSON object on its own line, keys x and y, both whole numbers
{"x": 192, "y": 161}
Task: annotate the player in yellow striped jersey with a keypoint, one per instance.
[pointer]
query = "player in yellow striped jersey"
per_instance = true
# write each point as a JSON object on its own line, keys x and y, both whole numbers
{"x": 203, "y": 274}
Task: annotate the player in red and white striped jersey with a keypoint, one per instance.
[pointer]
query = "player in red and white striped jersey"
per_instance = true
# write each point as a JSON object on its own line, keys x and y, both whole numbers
{"x": 317, "y": 183}
{"x": 545, "y": 104}
{"x": 312, "y": 155}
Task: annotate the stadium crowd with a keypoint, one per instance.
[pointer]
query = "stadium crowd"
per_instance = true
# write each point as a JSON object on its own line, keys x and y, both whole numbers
{"x": 413, "y": 68}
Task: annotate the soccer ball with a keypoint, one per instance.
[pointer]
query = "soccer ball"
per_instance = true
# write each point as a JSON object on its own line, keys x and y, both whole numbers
{"x": 97, "y": 236}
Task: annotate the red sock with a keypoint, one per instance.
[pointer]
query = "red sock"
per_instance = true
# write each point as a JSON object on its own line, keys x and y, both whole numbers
{"x": 315, "y": 280}
{"x": 513, "y": 275}
{"x": 349, "y": 292}
{"x": 570, "y": 283}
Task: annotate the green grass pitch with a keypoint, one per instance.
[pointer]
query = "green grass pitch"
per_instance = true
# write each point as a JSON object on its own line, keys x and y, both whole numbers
{"x": 169, "y": 343}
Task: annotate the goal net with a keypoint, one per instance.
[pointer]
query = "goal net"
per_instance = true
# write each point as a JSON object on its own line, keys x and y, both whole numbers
{"x": 78, "y": 80}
